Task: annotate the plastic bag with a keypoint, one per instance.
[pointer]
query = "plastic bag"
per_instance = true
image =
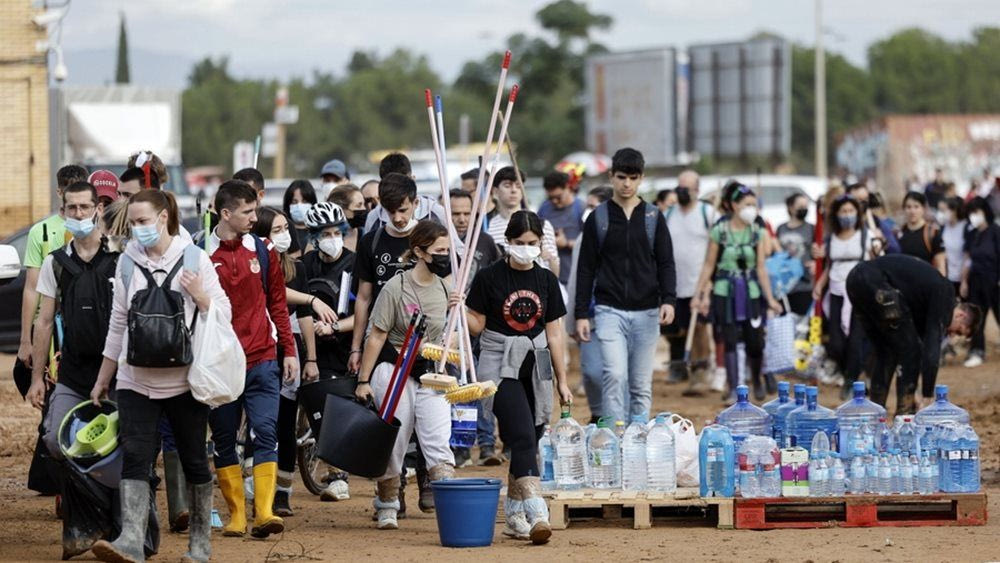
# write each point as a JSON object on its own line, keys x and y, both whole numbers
{"x": 779, "y": 346}
{"x": 218, "y": 371}
{"x": 685, "y": 451}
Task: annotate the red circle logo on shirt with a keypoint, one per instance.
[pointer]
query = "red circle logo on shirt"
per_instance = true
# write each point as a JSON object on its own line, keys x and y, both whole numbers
{"x": 522, "y": 309}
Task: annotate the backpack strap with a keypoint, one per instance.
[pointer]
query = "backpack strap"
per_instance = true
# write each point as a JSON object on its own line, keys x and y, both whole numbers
{"x": 61, "y": 261}
{"x": 704, "y": 215}
{"x": 264, "y": 258}
{"x": 127, "y": 267}
{"x": 377, "y": 237}
{"x": 601, "y": 222}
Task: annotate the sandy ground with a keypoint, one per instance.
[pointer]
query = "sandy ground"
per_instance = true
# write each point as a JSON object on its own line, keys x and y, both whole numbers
{"x": 342, "y": 531}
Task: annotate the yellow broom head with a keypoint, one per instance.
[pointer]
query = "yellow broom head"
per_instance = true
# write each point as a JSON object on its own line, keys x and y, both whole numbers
{"x": 471, "y": 392}
{"x": 434, "y": 352}
{"x": 438, "y": 381}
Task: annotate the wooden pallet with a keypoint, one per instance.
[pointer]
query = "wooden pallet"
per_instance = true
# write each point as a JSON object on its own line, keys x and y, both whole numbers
{"x": 642, "y": 507}
{"x": 861, "y": 511}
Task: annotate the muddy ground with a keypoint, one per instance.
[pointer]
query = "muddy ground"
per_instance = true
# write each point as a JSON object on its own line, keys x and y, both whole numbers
{"x": 343, "y": 531}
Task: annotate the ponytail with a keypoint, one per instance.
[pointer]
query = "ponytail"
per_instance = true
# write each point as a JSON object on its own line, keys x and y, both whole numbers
{"x": 161, "y": 200}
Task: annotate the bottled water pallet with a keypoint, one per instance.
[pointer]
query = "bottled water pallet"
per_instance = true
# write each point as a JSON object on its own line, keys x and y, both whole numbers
{"x": 642, "y": 506}
{"x": 861, "y": 511}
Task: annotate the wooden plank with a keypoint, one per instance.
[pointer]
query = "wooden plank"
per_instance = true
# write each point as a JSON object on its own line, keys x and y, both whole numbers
{"x": 725, "y": 507}
{"x": 558, "y": 515}
{"x": 641, "y": 518}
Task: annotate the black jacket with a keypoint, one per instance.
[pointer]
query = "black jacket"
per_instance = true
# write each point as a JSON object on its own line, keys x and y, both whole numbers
{"x": 625, "y": 274}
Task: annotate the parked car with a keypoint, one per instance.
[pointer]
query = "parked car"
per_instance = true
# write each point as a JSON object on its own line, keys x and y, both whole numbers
{"x": 10, "y": 294}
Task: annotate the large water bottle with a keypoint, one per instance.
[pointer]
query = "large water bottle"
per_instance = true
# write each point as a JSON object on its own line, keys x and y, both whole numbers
{"x": 906, "y": 475}
{"x": 547, "y": 455}
{"x": 634, "y": 455}
{"x": 818, "y": 475}
{"x": 588, "y": 431}
{"x": 970, "y": 460}
{"x": 884, "y": 475}
{"x": 782, "y": 399}
{"x": 926, "y": 475}
{"x": 570, "y": 450}
{"x": 661, "y": 472}
{"x": 715, "y": 462}
{"x": 858, "y": 475}
{"x": 883, "y": 436}
{"x": 780, "y": 422}
{"x": 906, "y": 437}
{"x": 941, "y": 410}
{"x": 603, "y": 458}
{"x": 853, "y": 418}
{"x": 744, "y": 419}
{"x": 838, "y": 476}
{"x": 804, "y": 422}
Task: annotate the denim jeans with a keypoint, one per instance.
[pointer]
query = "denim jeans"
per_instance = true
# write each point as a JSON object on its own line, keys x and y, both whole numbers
{"x": 260, "y": 401}
{"x": 592, "y": 368}
{"x": 485, "y": 427}
{"x": 628, "y": 343}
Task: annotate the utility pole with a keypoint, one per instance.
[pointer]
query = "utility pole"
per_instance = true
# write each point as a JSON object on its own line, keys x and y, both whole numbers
{"x": 820, "y": 105}
{"x": 280, "y": 102}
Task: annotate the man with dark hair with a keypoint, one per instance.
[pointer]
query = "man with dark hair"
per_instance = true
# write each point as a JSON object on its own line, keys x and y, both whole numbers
{"x": 627, "y": 266}
{"x": 156, "y": 165}
{"x": 424, "y": 206}
{"x": 250, "y": 272}
{"x": 134, "y": 179}
{"x": 395, "y": 163}
{"x": 564, "y": 211}
{"x": 907, "y": 308}
{"x": 508, "y": 191}
{"x": 936, "y": 189}
{"x": 469, "y": 179}
{"x": 665, "y": 200}
{"x": 253, "y": 177}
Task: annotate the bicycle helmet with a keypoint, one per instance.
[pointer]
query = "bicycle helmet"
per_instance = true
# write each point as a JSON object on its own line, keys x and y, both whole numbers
{"x": 325, "y": 214}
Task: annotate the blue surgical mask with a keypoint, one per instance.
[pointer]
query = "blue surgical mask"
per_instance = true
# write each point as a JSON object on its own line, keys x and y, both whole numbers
{"x": 298, "y": 211}
{"x": 847, "y": 221}
{"x": 80, "y": 228}
{"x": 147, "y": 235}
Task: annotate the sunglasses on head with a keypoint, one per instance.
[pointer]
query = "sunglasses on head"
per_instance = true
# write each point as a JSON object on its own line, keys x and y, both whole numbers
{"x": 741, "y": 190}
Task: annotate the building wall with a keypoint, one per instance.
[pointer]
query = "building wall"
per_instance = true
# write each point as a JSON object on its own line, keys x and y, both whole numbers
{"x": 25, "y": 178}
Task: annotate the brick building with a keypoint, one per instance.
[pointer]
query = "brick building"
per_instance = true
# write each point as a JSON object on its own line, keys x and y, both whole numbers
{"x": 25, "y": 179}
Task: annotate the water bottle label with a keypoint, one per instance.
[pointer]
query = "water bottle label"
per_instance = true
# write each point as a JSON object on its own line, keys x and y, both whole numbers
{"x": 598, "y": 460}
{"x": 974, "y": 454}
{"x": 965, "y": 454}
{"x": 464, "y": 414}
{"x": 713, "y": 454}
{"x": 954, "y": 455}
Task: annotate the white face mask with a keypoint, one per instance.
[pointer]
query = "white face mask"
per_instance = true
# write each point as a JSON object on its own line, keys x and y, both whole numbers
{"x": 748, "y": 214}
{"x": 331, "y": 246}
{"x": 943, "y": 217}
{"x": 977, "y": 219}
{"x": 523, "y": 254}
{"x": 328, "y": 186}
{"x": 282, "y": 241}
{"x": 409, "y": 227}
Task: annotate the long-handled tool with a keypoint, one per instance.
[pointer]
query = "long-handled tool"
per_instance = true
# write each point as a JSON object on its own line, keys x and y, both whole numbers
{"x": 411, "y": 356}
{"x": 399, "y": 360}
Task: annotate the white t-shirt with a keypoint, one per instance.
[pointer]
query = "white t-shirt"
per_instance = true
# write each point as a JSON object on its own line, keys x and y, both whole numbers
{"x": 953, "y": 237}
{"x": 844, "y": 256}
{"x": 47, "y": 283}
{"x": 689, "y": 236}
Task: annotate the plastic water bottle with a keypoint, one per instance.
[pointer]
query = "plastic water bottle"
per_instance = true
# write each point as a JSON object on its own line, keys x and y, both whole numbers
{"x": 603, "y": 458}
{"x": 770, "y": 472}
{"x": 715, "y": 462}
{"x": 463, "y": 425}
{"x": 634, "y": 455}
{"x": 661, "y": 473}
{"x": 818, "y": 475}
{"x": 744, "y": 419}
{"x": 883, "y": 436}
{"x": 838, "y": 476}
{"x": 970, "y": 460}
{"x": 941, "y": 410}
{"x": 588, "y": 431}
{"x": 749, "y": 485}
{"x": 926, "y": 475}
{"x": 619, "y": 430}
{"x": 871, "y": 472}
{"x": 895, "y": 473}
{"x": 773, "y": 405}
{"x": 935, "y": 459}
{"x": 906, "y": 437}
{"x": 547, "y": 454}
{"x": 858, "y": 475}
{"x": 856, "y": 420}
{"x": 906, "y": 475}
{"x": 780, "y": 423}
{"x": 569, "y": 446}
{"x": 804, "y": 422}
{"x": 884, "y": 475}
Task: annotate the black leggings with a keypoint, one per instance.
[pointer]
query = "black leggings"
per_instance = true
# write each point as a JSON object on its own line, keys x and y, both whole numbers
{"x": 514, "y": 407}
{"x": 139, "y": 433}
{"x": 846, "y": 350}
{"x": 985, "y": 294}
{"x": 288, "y": 410}
{"x": 730, "y": 335}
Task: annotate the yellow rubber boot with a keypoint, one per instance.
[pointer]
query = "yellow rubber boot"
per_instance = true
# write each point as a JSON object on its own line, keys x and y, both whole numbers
{"x": 265, "y": 522}
{"x": 231, "y": 485}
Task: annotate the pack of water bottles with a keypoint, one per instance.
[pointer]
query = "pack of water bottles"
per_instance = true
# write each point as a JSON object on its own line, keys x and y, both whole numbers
{"x": 760, "y": 467}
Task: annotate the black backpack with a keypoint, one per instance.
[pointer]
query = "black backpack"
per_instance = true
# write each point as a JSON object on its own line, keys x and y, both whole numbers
{"x": 84, "y": 300}
{"x": 326, "y": 288}
{"x": 158, "y": 336}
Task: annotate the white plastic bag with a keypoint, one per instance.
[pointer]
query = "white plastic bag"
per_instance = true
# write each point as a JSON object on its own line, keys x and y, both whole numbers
{"x": 218, "y": 372}
{"x": 685, "y": 451}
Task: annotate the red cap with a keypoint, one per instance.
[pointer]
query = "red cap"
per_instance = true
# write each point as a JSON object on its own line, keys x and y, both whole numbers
{"x": 506, "y": 60}
{"x": 105, "y": 182}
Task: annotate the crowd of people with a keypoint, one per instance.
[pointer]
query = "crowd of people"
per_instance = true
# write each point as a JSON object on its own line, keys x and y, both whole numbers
{"x": 325, "y": 289}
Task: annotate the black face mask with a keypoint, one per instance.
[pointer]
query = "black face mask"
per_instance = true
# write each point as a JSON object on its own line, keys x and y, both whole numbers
{"x": 683, "y": 196}
{"x": 358, "y": 220}
{"x": 801, "y": 214}
{"x": 440, "y": 265}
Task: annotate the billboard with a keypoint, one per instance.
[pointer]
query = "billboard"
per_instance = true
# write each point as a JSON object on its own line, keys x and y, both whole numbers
{"x": 740, "y": 98}
{"x": 631, "y": 103}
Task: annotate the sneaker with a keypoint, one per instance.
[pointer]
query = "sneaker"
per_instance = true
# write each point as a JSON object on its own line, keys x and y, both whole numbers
{"x": 335, "y": 491}
{"x": 282, "y": 506}
{"x": 387, "y": 519}
{"x": 462, "y": 457}
{"x": 974, "y": 361}
{"x": 678, "y": 372}
{"x": 516, "y": 526}
{"x": 718, "y": 378}
{"x": 488, "y": 457}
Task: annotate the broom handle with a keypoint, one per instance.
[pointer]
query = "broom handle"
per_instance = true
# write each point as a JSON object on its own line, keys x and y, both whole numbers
{"x": 399, "y": 362}
{"x": 689, "y": 341}
{"x": 395, "y": 390}
{"x": 407, "y": 368}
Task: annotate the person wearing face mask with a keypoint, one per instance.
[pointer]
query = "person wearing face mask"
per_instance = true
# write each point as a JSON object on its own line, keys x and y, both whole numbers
{"x": 420, "y": 410}
{"x": 795, "y": 237}
{"x": 849, "y": 244}
{"x": 425, "y": 207}
{"x": 954, "y": 228}
{"x": 918, "y": 237}
{"x": 741, "y": 288}
{"x": 981, "y": 275}
{"x": 334, "y": 173}
{"x": 515, "y": 307}
{"x": 298, "y": 198}
{"x": 273, "y": 225}
{"x": 508, "y": 192}
{"x": 143, "y": 394}
{"x": 352, "y": 201}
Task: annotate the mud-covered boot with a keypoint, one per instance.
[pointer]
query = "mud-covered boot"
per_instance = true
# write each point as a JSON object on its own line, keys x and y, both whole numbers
{"x": 177, "y": 506}
{"x": 200, "y": 530}
{"x": 516, "y": 521}
{"x": 128, "y": 546}
{"x": 535, "y": 509}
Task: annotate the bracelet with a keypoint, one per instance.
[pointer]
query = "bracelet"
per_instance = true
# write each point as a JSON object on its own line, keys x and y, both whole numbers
{"x": 312, "y": 302}
{"x": 364, "y": 382}
{"x": 310, "y": 361}
{"x": 355, "y": 351}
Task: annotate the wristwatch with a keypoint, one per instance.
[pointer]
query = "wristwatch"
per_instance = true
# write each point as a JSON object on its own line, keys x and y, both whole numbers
{"x": 336, "y": 326}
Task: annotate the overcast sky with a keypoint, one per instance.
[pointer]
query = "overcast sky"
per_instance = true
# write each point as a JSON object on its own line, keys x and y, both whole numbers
{"x": 269, "y": 38}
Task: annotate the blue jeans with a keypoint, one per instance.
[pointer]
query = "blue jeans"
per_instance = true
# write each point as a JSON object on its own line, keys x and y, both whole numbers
{"x": 260, "y": 401}
{"x": 592, "y": 367}
{"x": 628, "y": 343}
{"x": 485, "y": 427}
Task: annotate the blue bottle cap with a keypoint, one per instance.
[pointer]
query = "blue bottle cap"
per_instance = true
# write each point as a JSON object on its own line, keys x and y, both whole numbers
{"x": 812, "y": 391}
{"x": 742, "y": 393}
{"x": 859, "y": 387}
{"x": 941, "y": 392}
{"x": 783, "y": 386}
{"x": 799, "y": 388}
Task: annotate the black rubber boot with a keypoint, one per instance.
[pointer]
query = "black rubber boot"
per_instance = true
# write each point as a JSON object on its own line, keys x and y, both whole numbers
{"x": 128, "y": 547}
{"x": 177, "y": 506}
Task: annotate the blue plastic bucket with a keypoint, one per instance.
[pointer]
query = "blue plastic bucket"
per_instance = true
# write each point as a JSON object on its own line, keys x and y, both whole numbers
{"x": 466, "y": 511}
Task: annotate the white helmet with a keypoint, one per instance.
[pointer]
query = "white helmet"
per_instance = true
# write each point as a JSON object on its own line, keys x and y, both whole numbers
{"x": 325, "y": 214}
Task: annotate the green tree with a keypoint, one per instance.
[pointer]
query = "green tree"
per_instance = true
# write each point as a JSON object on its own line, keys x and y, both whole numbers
{"x": 121, "y": 66}
{"x": 915, "y": 71}
{"x": 979, "y": 67}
